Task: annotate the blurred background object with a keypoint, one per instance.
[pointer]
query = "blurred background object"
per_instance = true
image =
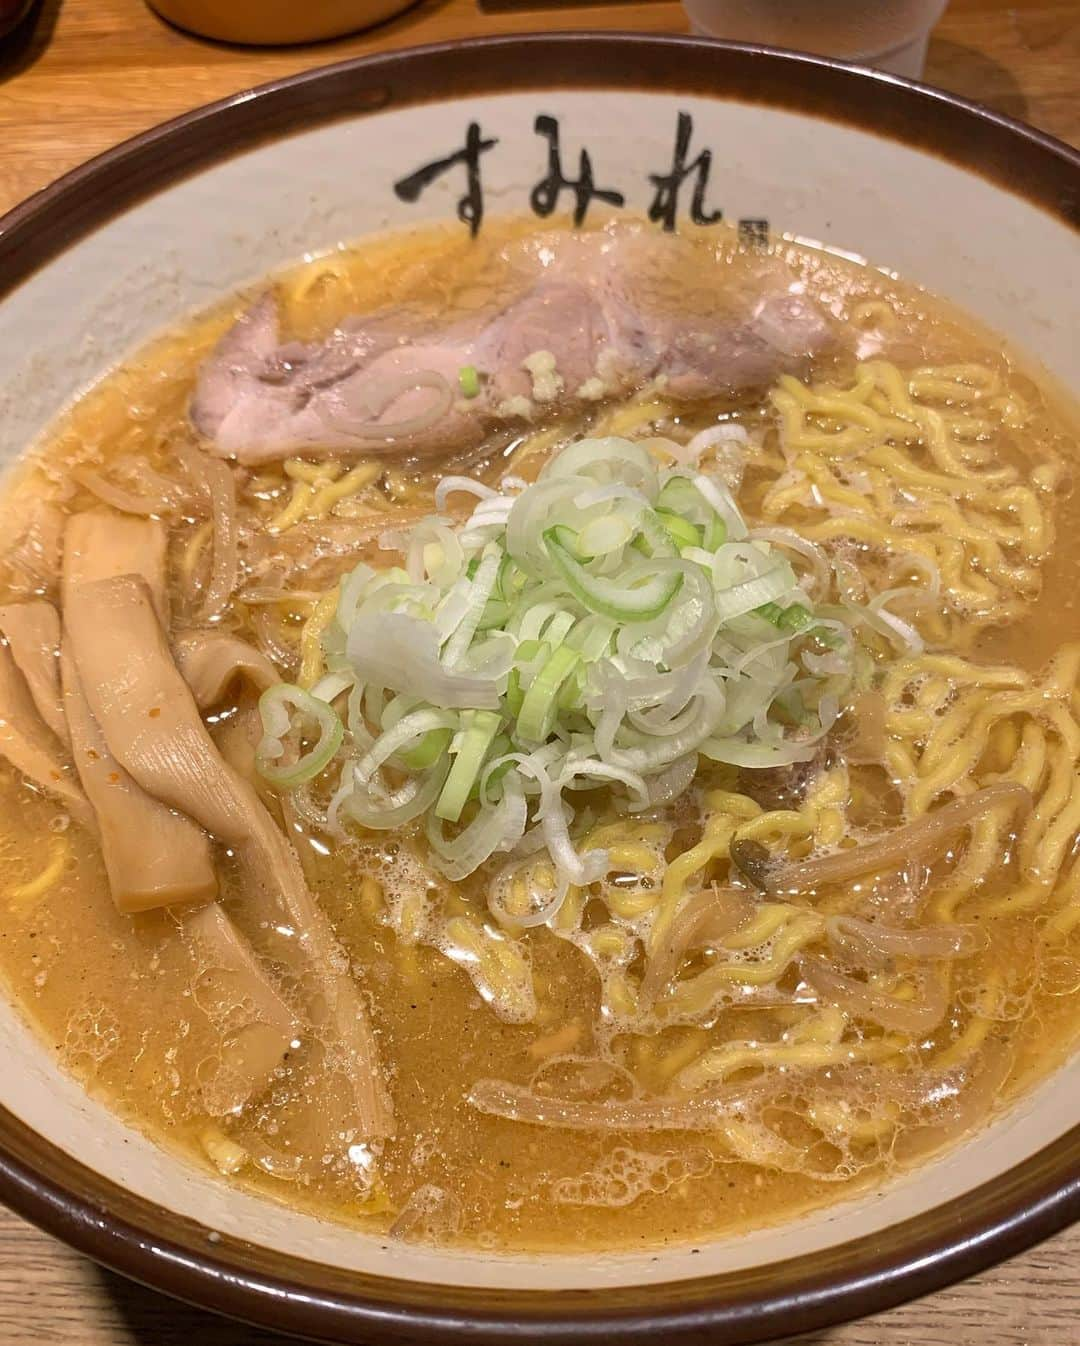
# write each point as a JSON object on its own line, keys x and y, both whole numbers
{"x": 889, "y": 34}
{"x": 12, "y": 13}
{"x": 273, "y": 23}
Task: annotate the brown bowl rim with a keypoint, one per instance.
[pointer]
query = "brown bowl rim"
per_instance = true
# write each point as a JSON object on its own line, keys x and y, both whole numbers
{"x": 183, "y": 1258}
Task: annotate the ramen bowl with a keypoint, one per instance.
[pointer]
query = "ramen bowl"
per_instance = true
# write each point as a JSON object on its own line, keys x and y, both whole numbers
{"x": 979, "y": 209}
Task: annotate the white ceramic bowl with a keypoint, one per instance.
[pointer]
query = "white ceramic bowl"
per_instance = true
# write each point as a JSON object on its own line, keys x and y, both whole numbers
{"x": 979, "y": 209}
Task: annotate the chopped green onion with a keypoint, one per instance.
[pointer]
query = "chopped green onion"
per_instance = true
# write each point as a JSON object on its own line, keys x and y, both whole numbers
{"x": 792, "y": 705}
{"x": 428, "y": 751}
{"x": 625, "y": 603}
{"x": 527, "y": 651}
{"x": 653, "y": 538}
{"x": 494, "y": 615}
{"x": 606, "y": 623}
{"x": 681, "y": 498}
{"x": 605, "y": 534}
{"x": 540, "y": 706}
{"x": 796, "y": 618}
{"x": 469, "y": 380}
{"x": 308, "y": 714}
{"x": 683, "y": 532}
{"x": 715, "y": 534}
{"x": 478, "y": 730}
{"x": 749, "y": 595}
{"x": 510, "y": 580}
{"x": 592, "y": 637}
{"x": 792, "y": 618}
{"x": 501, "y": 745}
{"x": 515, "y": 693}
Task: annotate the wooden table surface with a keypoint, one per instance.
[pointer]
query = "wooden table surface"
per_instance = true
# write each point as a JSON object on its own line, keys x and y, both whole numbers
{"x": 84, "y": 74}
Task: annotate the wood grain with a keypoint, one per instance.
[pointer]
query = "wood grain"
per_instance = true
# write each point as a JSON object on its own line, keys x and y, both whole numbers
{"x": 82, "y": 75}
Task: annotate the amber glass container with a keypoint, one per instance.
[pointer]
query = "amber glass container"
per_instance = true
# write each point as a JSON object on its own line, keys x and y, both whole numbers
{"x": 276, "y": 22}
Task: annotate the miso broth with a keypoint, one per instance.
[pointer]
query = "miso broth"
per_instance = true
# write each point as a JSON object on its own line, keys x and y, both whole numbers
{"x": 755, "y": 1006}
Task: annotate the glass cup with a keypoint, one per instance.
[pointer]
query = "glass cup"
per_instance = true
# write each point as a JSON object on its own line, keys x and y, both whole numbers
{"x": 889, "y": 34}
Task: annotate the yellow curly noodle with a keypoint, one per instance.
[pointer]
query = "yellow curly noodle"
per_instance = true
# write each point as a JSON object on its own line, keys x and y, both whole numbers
{"x": 318, "y": 488}
{"x": 312, "y": 661}
{"x": 629, "y": 420}
{"x": 497, "y": 966}
{"x": 532, "y": 449}
{"x": 925, "y": 465}
{"x": 995, "y": 724}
